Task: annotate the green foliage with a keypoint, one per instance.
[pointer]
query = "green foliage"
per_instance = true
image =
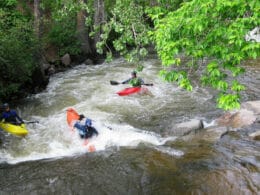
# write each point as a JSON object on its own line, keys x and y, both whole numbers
{"x": 228, "y": 101}
{"x": 139, "y": 68}
{"x": 178, "y": 76}
{"x": 126, "y": 29}
{"x": 8, "y": 3}
{"x": 17, "y": 46}
{"x": 63, "y": 35}
{"x": 109, "y": 57}
{"x": 211, "y": 30}
{"x": 62, "y": 25}
{"x": 208, "y": 30}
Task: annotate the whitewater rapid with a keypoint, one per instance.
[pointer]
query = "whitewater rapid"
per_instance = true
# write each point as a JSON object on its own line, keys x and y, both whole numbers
{"x": 87, "y": 89}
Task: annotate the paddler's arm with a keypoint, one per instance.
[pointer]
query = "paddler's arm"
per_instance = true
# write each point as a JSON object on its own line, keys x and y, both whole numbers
{"x": 21, "y": 120}
{"x": 18, "y": 117}
{"x": 141, "y": 81}
{"x": 88, "y": 122}
{"x": 126, "y": 81}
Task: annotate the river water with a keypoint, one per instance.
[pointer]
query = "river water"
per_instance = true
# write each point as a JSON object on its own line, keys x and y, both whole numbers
{"x": 136, "y": 151}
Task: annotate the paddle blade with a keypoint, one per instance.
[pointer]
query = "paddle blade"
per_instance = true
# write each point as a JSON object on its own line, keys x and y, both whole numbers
{"x": 148, "y": 84}
{"x": 114, "y": 83}
{"x": 31, "y": 122}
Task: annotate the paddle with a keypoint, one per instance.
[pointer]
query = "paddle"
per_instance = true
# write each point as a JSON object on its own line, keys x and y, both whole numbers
{"x": 110, "y": 128}
{"x": 117, "y": 83}
{"x": 114, "y": 83}
{"x": 30, "y": 122}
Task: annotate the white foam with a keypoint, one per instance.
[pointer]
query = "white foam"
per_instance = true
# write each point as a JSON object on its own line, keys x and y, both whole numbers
{"x": 67, "y": 142}
{"x": 87, "y": 89}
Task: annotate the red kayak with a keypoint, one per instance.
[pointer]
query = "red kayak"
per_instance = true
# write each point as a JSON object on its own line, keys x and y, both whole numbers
{"x": 129, "y": 91}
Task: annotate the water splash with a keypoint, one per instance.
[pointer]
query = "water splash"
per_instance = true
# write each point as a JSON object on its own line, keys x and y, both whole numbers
{"x": 60, "y": 141}
{"x": 87, "y": 89}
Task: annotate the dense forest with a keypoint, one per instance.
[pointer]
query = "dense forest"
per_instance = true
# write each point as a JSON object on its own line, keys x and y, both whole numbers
{"x": 40, "y": 37}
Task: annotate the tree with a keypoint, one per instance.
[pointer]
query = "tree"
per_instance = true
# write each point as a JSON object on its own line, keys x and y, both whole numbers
{"x": 17, "y": 45}
{"x": 62, "y": 19}
{"x": 37, "y": 18}
{"x": 208, "y": 30}
{"x": 99, "y": 19}
{"x": 126, "y": 30}
{"x": 82, "y": 30}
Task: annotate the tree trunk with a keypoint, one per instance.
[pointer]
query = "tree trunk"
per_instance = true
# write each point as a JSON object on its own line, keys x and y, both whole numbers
{"x": 39, "y": 78}
{"x": 37, "y": 18}
{"x": 99, "y": 19}
{"x": 83, "y": 34}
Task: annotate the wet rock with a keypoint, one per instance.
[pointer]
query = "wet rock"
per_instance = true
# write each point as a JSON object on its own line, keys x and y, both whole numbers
{"x": 214, "y": 133}
{"x": 229, "y": 122}
{"x": 237, "y": 119}
{"x": 210, "y": 134}
{"x": 45, "y": 66}
{"x": 187, "y": 127}
{"x": 66, "y": 59}
{"x": 253, "y": 106}
{"x": 255, "y": 135}
{"x": 51, "y": 53}
{"x": 51, "y": 70}
{"x": 247, "y": 115}
{"x": 88, "y": 62}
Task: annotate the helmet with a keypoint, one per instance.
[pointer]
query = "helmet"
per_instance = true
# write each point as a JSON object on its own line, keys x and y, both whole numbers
{"x": 133, "y": 72}
{"x": 81, "y": 116}
{"x": 5, "y": 105}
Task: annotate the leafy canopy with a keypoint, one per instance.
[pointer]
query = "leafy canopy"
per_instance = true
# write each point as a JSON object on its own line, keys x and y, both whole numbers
{"x": 17, "y": 46}
{"x": 210, "y": 30}
{"x": 127, "y": 29}
{"x": 61, "y": 25}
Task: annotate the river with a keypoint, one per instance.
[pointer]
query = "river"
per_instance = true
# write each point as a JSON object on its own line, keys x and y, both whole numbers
{"x": 136, "y": 153}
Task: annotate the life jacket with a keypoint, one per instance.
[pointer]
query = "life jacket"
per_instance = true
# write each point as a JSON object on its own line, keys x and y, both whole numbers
{"x": 10, "y": 116}
{"x": 135, "y": 82}
{"x": 83, "y": 125}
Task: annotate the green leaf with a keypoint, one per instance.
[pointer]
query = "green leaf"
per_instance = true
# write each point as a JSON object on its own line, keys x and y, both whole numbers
{"x": 236, "y": 86}
{"x": 222, "y": 85}
{"x": 228, "y": 101}
{"x": 109, "y": 57}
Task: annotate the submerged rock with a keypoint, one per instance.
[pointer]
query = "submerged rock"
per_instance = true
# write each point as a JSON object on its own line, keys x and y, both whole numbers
{"x": 187, "y": 127}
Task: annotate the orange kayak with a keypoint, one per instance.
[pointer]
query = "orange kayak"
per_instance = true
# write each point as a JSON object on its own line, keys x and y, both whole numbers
{"x": 72, "y": 115}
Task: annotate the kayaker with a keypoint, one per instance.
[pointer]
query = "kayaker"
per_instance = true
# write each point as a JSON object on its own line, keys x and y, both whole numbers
{"x": 134, "y": 80}
{"x": 85, "y": 128}
{"x": 10, "y": 116}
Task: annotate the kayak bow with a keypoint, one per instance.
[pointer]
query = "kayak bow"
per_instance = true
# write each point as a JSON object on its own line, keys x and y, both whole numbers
{"x": 72, "y": 116}
{"x": 129, "y": 91}
{"x": 18, "y": 130}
